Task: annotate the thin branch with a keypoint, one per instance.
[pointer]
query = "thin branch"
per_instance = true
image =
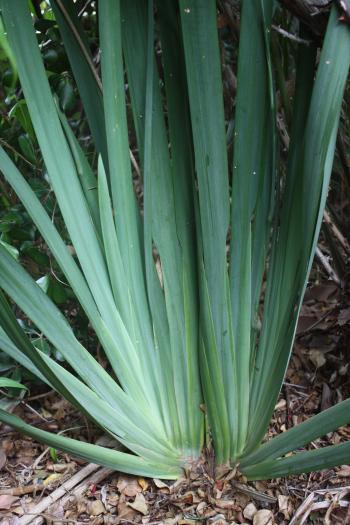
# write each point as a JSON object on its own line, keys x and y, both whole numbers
{"x": 291, "y": 36}
{"x": 324, "y": 261}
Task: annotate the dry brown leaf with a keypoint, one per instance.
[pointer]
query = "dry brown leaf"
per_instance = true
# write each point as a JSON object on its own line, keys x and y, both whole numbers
{"x": 140, "y": 504}
{"x": 7, "y": 501}
{"x": 113, "y": 499}
{"x": 284, "y": 505}
{"x": 125, "y": 512}
{"x": 186, "y": 498}
{"x": 96, "y": 508}
{"x": 19, "y": 509}
{"x": 143, "y": 483}
{"x": 344, "y": 316}
{"x": 317, "y": 357}
{"x": 344, "y": 471}
{"x": 250, "y": 511}
{"x": 209, "y": 513}
{"x": 326, "y": 399}
{"x": 263, "y": 517}
{"x": 160, "y": 484}
{"x": 221, "y": 471}
{"x": 200, "y": 508}
{"x": 226, "y": 504}
{"x": 305, "y": 322}
{"x": 7, "y": 445}
{"x": 128, "y": 486}
{"x": 281, "y": 405}
{"x": 324, "y": 292}
{"x": 82, "y": 506}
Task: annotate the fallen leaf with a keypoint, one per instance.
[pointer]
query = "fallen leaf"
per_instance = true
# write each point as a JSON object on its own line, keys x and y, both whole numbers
{"x": 344, "y": 471}
{"x": 344, "y": 316}
{"x": 225, "y": 504}
{"x": 263, "y": 517}
{"x": 143, "y": 483}
{"x": 160, "y": 484}
{"x": 317, "y": 357}
{"x": 140, "y": 504}
{"x": 82, "y": 505}
{"x": 322, "y": 293}
{"x": 326, "y": 400}
{"x": 221, "y": 471}
{"x": 305, "y": 322}
{"x": 52, "y": 478}
{"x": 125, "y": 513}
{"x": 128, "y": 486}
{"x": 7, "y": 445}
{"x": 200, "y": 508}
{"x": 250, "y": 511}
{"x": 96, "y": 507}
{"x": 283, "y": 505}
{"x": 7, "y": 501}
{"x": 281, "y": 405}
{"x": 104, "y": 492}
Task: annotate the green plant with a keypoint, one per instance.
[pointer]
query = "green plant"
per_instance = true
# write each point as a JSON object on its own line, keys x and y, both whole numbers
{"x": 178, "y": 318}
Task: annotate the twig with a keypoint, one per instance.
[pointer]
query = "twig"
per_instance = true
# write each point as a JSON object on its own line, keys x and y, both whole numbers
{"x": 324, "y": 261}
{"x": 260, "y": 496}
{"x": 11, "y": 148}
{"x": 309, "y": 505}
{"x": 135, "y": 164}
{"x": 304, "y": 509}
{"x": 332, "y": 490}
{"x": 88, "y": 474}
{"x": 83, "y": 9}
{"x": 20, "y": 491}
{"x": 290, "y": 36}
{"x": 40, "y": 396}
{"x": 336, "y": 232}
{"x": 292, "y": 385}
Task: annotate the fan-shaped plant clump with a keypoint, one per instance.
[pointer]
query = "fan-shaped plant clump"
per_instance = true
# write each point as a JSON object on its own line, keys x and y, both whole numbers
{"x": 195, "y": 297}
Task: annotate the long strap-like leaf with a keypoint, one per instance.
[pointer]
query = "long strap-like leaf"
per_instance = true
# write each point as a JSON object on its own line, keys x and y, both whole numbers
{"x": 300, "y": 221}
{"x": 109, "y": 458}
